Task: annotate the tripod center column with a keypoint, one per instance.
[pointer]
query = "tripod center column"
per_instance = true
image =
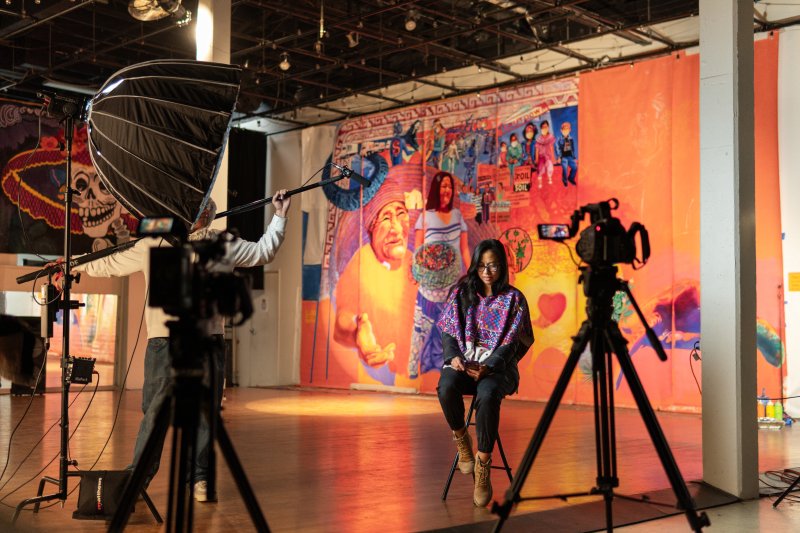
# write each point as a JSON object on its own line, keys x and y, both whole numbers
{"x": 727, "y": 247}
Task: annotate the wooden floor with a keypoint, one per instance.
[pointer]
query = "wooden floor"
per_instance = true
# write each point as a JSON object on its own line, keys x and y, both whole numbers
{"x": 354, "y": 461}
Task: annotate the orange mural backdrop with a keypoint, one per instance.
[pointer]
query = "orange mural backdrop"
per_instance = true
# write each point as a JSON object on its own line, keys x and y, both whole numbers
{"x": 636, "y": 136}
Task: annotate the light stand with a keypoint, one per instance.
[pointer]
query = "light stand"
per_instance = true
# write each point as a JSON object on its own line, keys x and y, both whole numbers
{"x": 70, "y": 111}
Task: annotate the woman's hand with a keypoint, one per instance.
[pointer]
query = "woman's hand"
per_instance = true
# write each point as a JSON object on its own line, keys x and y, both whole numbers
{"x": 457, "y": 363}
{"x": 478, "y": 373}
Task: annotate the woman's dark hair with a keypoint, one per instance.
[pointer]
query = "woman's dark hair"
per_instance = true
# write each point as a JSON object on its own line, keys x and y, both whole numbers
{"x": 433, "y": 195}
{"x": 471, "y": 284}
{"x": 544, "y": 123}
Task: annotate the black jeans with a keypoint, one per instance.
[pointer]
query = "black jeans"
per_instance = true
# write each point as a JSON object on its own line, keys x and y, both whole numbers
{"x": 489, "y": 393}
{"x": 157, "y": 382}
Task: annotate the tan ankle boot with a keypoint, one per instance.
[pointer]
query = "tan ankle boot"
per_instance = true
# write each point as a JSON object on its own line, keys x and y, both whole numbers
{"x": 482, "y": 494}
{"x": 466, "y": 459}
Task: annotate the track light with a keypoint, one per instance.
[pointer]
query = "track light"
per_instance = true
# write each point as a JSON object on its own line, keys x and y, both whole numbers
{"x": 284, "y": 65}
{"x": 352, "y": 39}
{"x": 411, "y": 20}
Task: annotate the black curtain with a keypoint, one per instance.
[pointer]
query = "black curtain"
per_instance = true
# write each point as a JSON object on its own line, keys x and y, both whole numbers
{"x": 247, "y": 179}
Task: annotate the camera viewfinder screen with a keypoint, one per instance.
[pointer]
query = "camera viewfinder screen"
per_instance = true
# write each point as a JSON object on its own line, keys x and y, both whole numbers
{"x": 554, "y": 231}
{"x": 156, "y": 225}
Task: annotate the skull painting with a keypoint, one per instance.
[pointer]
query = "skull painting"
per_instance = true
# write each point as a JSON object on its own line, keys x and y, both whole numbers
{"x": 96, "y": 206}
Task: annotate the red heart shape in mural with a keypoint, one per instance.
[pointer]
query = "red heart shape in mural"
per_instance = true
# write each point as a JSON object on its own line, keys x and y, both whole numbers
{"x": 552, "y": 306}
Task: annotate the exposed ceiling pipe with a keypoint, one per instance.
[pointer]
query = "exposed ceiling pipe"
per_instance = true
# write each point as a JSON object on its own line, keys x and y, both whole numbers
{"x": 33, "y": 21}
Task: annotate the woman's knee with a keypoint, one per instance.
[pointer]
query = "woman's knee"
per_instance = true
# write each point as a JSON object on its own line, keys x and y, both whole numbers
{"x": 489, "y": 396}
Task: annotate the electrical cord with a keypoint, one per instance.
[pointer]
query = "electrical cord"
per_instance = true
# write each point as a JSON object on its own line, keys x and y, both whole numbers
{"x": 124, "y": 381}
{"x": 116, "y": 416}
{"x": 40, "y": 441}
{"x": 21, "y": 418}
{"x": 785, "y": 477}
{"x": 694, "y": 355}
{"x": 571, "y": 256}
{"x": 116, "y": 413}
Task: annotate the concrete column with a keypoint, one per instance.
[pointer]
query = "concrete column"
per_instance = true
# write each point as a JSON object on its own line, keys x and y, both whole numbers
{"x": 213, "y": 43}
{"x": 727, "y": 247}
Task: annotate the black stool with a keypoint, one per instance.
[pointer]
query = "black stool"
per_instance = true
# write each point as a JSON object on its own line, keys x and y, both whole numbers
{"x": 455, "y": 461}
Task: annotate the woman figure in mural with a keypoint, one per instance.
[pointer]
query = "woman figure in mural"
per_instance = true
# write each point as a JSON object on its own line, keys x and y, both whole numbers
{"x": 545, "y": 155}
{"x": 486, "y": 330}
{"x": 440, "y": 237}
{"x": 435, "y": 159}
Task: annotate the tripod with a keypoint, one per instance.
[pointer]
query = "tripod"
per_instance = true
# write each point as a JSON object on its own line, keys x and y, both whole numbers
{"x": 602, "y": 333}
{"x": 181, "y": 407}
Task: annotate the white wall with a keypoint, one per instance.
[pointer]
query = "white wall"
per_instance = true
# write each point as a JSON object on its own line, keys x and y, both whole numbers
{"x": 129, "y": 313}
{"x": 267, "y": 347}
{"x": 789, "y": 168}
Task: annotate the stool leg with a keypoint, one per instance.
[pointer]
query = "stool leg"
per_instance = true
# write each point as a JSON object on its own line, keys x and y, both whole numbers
{"x": 455, "y": 460}
{"x": 503, "y": 456}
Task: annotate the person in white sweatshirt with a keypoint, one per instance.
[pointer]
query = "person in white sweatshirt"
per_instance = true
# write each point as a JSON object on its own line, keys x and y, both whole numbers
{"x": 157, "y": 367}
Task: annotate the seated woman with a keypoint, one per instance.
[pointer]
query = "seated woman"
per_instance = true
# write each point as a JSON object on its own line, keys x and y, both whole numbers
{"x": 486, "y": 329}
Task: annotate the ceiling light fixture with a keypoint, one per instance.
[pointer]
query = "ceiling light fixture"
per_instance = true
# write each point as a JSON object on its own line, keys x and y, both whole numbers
{"x": 284, "y": 65}
{"x": 411, "y": 20}
{"x": 148, "y": 10}
{"x": 352, "y": 39}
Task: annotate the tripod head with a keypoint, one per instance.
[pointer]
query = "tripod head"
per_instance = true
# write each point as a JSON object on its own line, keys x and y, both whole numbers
{"x": 600, "y": 284}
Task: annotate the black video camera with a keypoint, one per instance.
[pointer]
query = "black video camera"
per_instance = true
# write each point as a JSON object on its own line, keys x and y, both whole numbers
{"x": 605, "y": 241}
{"x": 183, "y": 279}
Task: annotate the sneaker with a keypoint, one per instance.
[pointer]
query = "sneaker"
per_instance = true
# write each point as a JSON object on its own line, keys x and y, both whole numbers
{"x": 482, "y": 494}
{"x": 201, "y": 491}
{"x": 466, "y": 459}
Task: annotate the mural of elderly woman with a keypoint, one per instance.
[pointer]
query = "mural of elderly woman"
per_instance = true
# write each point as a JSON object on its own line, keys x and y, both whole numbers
{"x": 374, "y": 298}
{"x": 441, "y": 253}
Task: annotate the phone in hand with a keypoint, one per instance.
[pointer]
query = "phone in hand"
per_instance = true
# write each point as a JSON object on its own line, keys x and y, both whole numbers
{"x": 472, "y": 365}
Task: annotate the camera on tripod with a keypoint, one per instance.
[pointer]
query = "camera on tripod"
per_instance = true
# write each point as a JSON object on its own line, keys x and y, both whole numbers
{"x": 186, "y": 280}
{"x": 605, "y": 241}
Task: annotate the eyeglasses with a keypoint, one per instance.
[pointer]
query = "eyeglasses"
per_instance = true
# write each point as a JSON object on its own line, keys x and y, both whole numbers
{"x": 491, "y": 267}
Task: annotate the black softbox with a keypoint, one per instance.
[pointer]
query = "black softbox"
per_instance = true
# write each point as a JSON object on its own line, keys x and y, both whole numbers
{"x": 157, "y": 131}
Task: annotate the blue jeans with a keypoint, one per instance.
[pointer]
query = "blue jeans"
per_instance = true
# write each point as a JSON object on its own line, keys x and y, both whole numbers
{"x": 157, "y": 381}
{"x": 572, "y": 175}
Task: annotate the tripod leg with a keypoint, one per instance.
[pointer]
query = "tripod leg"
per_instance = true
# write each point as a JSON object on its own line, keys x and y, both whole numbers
{"x": 180, "y": 513}
{"x": 512, "y": 495}
{"x": 245, "y": 489}
{"x": 785, "y": 493}
{"x": 619, "y": 345}
{"x": 143, "y": 467}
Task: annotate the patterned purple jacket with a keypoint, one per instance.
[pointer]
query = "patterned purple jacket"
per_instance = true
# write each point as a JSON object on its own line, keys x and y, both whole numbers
{"x": 496, "y": 332}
